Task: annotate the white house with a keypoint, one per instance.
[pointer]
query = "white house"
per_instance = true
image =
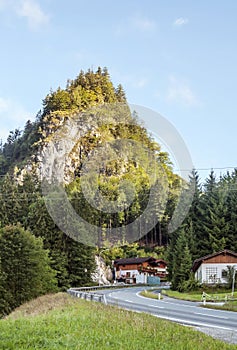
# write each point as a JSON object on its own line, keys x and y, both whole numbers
{"x": 212, "y": 268}
{"x": 140, "y": 270}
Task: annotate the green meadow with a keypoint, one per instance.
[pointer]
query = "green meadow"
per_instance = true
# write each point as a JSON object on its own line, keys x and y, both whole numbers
{"x": 59, "y": 321}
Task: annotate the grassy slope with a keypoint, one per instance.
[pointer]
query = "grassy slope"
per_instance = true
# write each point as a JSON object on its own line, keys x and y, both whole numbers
{"x": 66, "y": 323}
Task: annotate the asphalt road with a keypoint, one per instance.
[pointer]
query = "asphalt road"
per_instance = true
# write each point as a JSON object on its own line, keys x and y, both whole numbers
{"x": 184, "y": 312}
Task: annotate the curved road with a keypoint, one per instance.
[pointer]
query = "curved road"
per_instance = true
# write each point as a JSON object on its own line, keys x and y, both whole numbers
{"x": 184, "y": 312}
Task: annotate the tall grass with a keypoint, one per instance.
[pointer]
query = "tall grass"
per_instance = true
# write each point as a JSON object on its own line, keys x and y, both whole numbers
{"x": 79, "y": 324}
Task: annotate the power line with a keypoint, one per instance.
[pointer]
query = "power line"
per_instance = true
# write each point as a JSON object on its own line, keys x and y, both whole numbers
{"x": 205, "y": 169}
{"x": 191, "y": 169}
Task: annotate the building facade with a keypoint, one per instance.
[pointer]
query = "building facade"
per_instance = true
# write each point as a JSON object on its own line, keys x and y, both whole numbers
{"x": 212, "y": 269}
{"x": 140, "y": 270}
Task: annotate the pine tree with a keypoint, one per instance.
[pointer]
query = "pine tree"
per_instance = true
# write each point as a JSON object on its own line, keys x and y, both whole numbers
{"x": 42, "y": 225}
{"x": 9, "y": 202}
{"x": 193, "y": 223}
{"x": 182, "y": 261}
{"x": 120, "y": 93}
{"x": 25, "y": 266}
{"x": 213, "y": 212}
{"x": 72, "y": 261}
{"x": 229, "y": 183}
{"x": 4, "y": 294}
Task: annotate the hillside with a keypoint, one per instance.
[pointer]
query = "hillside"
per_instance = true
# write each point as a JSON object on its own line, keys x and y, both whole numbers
{"x": 88, "y": 157}
{"x": 60, "y": 322}
{"x": 86, "y": 175}
{"x": 84, "y": 129}
{"x": 87, "y": 139}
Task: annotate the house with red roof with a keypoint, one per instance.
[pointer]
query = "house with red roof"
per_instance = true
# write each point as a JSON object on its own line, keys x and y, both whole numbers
{"x": 212, "y": 268}
{"x": 140, "y": 270}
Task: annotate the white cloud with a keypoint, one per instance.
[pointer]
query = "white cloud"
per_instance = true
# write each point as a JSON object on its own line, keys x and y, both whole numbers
{"x": 32, "y": 11}
{"x": 29, "y": 9}
{"x": 3, "y": 105}
{"x": 129, "y": 80}
{"x": 143, "y": 24}
{"x": 180, "y": 92}
{"x": 136, "y": 23}
{"x": 12, "y": 116}
{"x": 3, "y": 4}
{"x": 140, "y": 83}
{"x": 180, "y": 21}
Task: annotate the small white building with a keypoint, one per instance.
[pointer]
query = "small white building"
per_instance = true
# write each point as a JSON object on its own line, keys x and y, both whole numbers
{"x": 212, "y": 268}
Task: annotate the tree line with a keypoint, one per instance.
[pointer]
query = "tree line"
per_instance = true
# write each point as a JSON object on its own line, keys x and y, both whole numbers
{"x": 210, "y": 226}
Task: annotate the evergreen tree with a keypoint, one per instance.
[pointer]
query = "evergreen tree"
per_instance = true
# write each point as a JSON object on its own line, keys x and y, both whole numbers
{"x": 213, "y": 213}
{"x": 72, "y": 261}
{"x": 229, "y": 184}
{"x": 4, "y": 294}
{"x": 9, "y": 202}
{"x": 42, "y": 225}
{"x": 120, "y": 94}
{"x": 182, "y": 261}
{"x": 185, "y": 267}
{"x": 25, "y": 267}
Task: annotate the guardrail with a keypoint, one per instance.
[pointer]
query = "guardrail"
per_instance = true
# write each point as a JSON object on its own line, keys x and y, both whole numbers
{"x": 91, "y": 293}
{"x": 87, "y": 295}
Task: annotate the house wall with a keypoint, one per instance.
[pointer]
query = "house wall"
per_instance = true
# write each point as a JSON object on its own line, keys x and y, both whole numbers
{"x": 130, "y": 274}
{"x": 140, "y": 272}
{"x": 212, "y": 273}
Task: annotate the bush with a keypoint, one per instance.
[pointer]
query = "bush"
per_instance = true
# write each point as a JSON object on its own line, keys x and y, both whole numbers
{"x": 189, "y": 285}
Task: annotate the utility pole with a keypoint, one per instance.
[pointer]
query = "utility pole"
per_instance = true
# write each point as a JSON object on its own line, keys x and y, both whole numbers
{"x": 233, "y": 282}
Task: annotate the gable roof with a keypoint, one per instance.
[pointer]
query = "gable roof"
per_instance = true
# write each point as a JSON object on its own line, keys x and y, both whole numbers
{"x": 199, "y": 261}
{"x": 133, "y": 261}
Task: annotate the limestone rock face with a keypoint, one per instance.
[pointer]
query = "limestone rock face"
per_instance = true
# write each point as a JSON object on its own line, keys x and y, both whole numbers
{"x": 103, "y": 273}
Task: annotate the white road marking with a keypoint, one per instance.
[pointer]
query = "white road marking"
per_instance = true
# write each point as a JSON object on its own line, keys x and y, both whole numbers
{"x": 159, "y": 307}
{"x": 199, "y": 313}
{"x": 193, "y": 306}
{"x": 193, "y": 323}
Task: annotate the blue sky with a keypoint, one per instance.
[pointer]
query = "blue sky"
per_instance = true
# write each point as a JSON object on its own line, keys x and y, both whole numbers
{"x": 177, "y": 58}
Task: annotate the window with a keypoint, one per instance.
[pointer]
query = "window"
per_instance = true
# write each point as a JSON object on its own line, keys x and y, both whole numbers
{"x": 224, "y": 273}
{"x": 211, "y": 274}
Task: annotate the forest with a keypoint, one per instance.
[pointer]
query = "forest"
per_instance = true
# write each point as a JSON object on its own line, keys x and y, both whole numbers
{"x": 36, "y": 257}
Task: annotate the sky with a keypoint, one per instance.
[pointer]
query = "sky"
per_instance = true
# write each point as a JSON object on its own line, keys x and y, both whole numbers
{"x": 175, "y": 57}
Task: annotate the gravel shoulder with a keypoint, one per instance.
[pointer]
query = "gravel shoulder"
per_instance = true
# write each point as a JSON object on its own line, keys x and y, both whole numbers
{"x": 227, "y": 336}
